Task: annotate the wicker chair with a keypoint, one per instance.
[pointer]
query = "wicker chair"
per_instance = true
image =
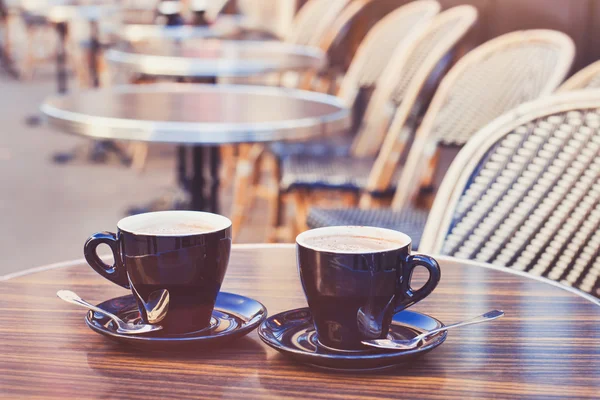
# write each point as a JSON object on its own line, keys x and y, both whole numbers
{"x": 313, "y": 21}
{"x": 401, "y": 83}
{"x": 488, "y": 81}
{"x": 398, "y": 28}
{"x": 524, "y": 193}
{"x": 501, "y": 74}
{"x": 214, "y": 8}
{"x": 587, "y": 78}
{"x": 404, "y": 24}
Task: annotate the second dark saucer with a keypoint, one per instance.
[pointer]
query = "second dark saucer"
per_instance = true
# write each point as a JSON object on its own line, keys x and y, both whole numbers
{"x": 293, "y": 334}
{"x": 234, "y": 316}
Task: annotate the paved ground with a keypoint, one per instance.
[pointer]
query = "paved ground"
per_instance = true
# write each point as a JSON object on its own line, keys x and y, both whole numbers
{"x": 46, "y": 210}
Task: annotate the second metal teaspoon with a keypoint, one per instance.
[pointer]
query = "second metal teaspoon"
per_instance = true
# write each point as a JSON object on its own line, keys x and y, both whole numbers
{"x": 414, "y": 342}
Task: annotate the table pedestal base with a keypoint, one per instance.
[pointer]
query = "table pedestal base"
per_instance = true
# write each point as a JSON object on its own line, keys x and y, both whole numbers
{"x": 199, "y": 185}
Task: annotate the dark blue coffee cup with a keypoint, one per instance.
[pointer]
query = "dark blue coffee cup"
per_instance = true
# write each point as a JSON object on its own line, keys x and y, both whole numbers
{"x": 356, "y": 278}
{"x": 183, "y": 252}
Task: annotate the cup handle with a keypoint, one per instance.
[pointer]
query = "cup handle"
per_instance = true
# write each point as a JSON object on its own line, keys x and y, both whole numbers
{"x": 114, "y": 273}
{"x": 407, "y": 294}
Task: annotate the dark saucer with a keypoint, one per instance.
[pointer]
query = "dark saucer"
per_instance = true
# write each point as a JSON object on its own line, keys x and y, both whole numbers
{"x": 293, "y": 333}
{"x": 234, "y": 316}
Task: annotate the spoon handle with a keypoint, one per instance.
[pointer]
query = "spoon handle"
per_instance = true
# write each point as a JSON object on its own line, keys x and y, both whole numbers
{"x": 488, "y": 316}
{"x": 71, "y": 297}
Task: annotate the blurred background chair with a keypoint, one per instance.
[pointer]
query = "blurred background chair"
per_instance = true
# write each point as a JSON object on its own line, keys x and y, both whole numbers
{"x": 314, "y": 19}
{"x": 587, "y": 78}
{"x": 214, "y": 8}
{"x": 488, "y": 81}
{"x": 400, "y": 88}
{"x": 271, "y": 16}
{"x": 396, "y": 29}
{"x": 524, "y": 193}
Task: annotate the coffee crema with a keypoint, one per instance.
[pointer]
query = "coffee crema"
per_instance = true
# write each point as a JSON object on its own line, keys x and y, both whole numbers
{"x": 175, "y": 228}
{"x": 351, "y": 243}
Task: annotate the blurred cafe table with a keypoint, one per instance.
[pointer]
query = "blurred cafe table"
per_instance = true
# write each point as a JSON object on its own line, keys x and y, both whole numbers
{"x": 207, "y": 61}
{"x": 200, "y": 116}
{"x": 545, "y": 347}
{"x": 61, "y": 13}
{"x": 211, "y": 59}
{"x": 225, "y": 26}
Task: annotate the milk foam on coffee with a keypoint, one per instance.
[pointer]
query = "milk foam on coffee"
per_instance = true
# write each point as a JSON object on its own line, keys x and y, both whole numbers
{"x": 178, "y": 228}
{"x": 354, "y": 244}
{"x": 174, "y": 223}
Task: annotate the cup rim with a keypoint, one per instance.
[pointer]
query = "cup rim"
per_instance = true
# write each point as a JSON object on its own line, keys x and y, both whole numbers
{"x": 399, "y": 239}
{"x": 132, "y": 223}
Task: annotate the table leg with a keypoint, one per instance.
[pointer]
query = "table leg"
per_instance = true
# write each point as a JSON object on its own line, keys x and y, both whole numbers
{"x": 61, "y": 58}
{"x": 94, "y": 50}
{"x": 197, "y": 183}
{"x": 61, "y": 80}
{"x": 182, "y": 173}
{"x": 215, "y": 160}
{"x": 204, "y": 157}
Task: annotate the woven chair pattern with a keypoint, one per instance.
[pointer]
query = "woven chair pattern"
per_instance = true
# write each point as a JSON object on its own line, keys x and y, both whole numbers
{"x": 533, "y": 203}
{"x": 593, "y": 83}
{"x": 404, "y": 69}
{"x": 409, "y": 18}
{"x": 418, "y": 55}
{"x": 487, "y": 82}
{"x": 377, "y": 48}
{"x": 587, "y": 78}
{"x": 524, "y": 67}
{"x": 326, "y": 172}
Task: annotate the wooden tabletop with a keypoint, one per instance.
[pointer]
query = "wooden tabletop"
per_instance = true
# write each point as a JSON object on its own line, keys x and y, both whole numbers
{"x": 547, "y": 345}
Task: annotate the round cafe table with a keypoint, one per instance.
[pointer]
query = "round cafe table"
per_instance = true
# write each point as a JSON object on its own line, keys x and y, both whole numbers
{"x": 212, "y": 59}
{"x": 225, "y": 26}
{"x": 203, "y": 60}
{"x": 545, "y": 347}
{"x": 201, "y": 116}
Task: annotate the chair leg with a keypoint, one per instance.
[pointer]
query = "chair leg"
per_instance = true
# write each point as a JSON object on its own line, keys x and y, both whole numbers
{"x": 79, "y": 62}
{"x": 366, "y": 201}
{"x": 301, "y": 203}
{"x": 247, "y": 156}
{"x": 139, "y": 156}
{"x": 429, "y": 175}
{"x": 29, "y": 60}
{"x": 275, "y": 202}
{"x": 228, "y": 162}
{"x": 349, "y": 199}
{"x": 103, "y": 71}
{"x": 418, "y": 158}
{"x": 255, "y": 189}
{"x": 240, "y": 189}
{"x": 8, "y": 40}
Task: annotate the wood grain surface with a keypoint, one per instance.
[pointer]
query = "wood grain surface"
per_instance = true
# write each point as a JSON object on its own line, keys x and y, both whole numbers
{"x": 547, "y": 346}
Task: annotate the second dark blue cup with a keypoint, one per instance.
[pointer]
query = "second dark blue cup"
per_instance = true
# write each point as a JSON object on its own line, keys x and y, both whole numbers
{"x": 356, "y": 278}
